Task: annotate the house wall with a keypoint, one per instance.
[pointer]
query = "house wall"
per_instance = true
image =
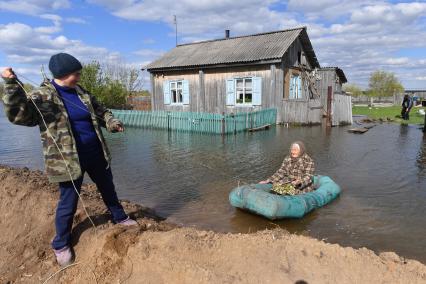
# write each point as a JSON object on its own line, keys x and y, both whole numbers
{"x": 207, "y": 88}
{"x": 328, "y": 77}
{"x": 341, "y": 109}
{"x": 305, "y": 110}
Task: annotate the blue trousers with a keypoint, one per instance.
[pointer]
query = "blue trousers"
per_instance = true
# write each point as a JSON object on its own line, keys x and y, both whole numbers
{"x": 95, "y": 166}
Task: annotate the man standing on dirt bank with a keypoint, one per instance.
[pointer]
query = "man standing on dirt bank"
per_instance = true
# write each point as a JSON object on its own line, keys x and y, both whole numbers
{"x": 69, "y": 119}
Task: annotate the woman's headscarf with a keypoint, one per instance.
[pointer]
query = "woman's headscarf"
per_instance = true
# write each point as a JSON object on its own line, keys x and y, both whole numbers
{"x": 301, "y": 147}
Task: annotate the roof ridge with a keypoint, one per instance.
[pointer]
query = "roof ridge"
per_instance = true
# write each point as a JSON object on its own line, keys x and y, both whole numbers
{"x": 242, "y": 36}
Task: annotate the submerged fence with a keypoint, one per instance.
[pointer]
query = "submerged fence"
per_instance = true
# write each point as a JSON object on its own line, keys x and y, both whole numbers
{"x": 210, "y": 123}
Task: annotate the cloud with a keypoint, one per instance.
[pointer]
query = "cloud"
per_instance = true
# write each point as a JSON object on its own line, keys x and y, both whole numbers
{"x": 203, "y": 19}
{"x": 24, "y": 44}
{"x": 362, "y": 36}
{"x": 75, "y": 20}
{"x": 149, "y": 53}
{"x": 33, "y": 7}
{"x": 149, "y": 41}
{"x": 358, "y": 36}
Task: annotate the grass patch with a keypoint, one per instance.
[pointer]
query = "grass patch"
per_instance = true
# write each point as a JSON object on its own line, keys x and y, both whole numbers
{"x": 392, "y": 112}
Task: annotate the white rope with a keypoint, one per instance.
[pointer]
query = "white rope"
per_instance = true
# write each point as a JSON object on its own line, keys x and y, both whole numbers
{"x": 60, "y": 270}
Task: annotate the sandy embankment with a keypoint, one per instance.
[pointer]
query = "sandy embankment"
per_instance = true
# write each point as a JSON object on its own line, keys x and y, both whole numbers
{"x": 157, "y": 252}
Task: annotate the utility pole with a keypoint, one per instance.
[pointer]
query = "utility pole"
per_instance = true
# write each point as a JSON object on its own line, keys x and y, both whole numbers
{"x": 175, "y": 22}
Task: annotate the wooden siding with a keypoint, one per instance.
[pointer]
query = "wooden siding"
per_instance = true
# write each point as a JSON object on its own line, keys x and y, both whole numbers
{"x": 208, "y": 88}
{"x": 301, "y": 111}
{"x": 341, "y": 110}
{"x": 291, "y": 56}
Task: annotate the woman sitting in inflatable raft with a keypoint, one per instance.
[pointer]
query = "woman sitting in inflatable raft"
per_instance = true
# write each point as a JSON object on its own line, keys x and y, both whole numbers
{"x": 295, "y": 176}
{"x": 292, "y": 192}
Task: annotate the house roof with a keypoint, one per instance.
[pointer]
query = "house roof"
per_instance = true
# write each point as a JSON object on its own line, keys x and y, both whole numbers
{"x": 339, "y": 73}
{"x": 257, "y": 48}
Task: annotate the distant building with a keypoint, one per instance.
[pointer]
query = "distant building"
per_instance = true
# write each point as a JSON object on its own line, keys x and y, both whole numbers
{"x": 239, "y": 74}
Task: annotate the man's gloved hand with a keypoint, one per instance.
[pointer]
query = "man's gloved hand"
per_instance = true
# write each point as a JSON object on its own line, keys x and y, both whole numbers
{"x": 114, "y": 125}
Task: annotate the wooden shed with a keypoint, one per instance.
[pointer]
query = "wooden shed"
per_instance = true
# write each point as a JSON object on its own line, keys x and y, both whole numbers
{"x": 241, "y": 74}
{"x": 340, "y": 102}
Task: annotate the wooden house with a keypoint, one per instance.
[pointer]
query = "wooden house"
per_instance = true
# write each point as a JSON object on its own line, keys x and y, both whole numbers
{"x": 241, "y": 74}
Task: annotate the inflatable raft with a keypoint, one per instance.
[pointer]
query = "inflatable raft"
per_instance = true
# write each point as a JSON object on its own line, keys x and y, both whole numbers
{"x": 259, "y": 199}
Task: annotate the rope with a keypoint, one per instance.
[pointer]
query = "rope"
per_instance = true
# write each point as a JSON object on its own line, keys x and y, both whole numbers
{"x": 65, "y": 268}
{"x": 60, "y": 270}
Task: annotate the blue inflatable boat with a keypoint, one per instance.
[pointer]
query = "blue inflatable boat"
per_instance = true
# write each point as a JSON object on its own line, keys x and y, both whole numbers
{"x": 259, "y": 199}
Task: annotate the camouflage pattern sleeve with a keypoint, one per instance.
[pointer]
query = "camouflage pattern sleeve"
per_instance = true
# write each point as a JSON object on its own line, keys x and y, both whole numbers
{"x": 18, "y": 108}
{"x": 101, "y": 111}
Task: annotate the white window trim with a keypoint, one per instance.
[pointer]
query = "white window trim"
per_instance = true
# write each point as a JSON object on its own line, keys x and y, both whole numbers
{"x": 171, "y": 92}
{"x": 244, "y": 92}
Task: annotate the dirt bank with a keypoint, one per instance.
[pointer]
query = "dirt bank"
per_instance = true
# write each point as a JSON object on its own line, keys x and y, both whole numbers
{"x": 158, "y": 252}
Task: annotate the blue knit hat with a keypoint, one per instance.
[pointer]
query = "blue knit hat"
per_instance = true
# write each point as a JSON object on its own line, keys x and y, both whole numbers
{"x": 63, "y": 64}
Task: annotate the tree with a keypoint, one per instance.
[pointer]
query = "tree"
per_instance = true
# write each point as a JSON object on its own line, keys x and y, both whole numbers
{"x": 353, "y": 89}
{"x": 109, "y": 90}
{"x": 1, "y": 89}
{"x": 111, "y": 82}
{"x": 127, "y": 75}
{"x": 383, "y": 84}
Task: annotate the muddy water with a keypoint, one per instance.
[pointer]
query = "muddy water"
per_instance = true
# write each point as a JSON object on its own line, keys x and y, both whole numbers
{"x": 187, "y": 178}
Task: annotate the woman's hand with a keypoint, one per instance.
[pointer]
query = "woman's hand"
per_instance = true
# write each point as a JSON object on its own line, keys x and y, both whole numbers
{"x": 264, "y": 182}
{"x": 116, "y": 126}
{"x": 8, "y": 73}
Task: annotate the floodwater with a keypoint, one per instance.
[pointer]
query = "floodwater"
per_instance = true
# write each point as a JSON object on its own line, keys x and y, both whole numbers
{"x": 186, "y": 178}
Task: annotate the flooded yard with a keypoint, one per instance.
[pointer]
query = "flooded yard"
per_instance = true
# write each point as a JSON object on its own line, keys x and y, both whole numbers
{"x": 187, "y": 178}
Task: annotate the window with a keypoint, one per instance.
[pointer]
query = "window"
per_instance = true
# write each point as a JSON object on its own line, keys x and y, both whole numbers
{"x": 176, "y": 90}
{"x": 244, "y": 91}
{"x": 295, "y": 87}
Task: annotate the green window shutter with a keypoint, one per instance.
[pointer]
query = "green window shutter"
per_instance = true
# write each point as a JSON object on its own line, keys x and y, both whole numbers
{"x": 257, "y": 91}
{"x": 230, "y": 92}
{"x": 166, "y": 92}
{"x": 185, "y": 92}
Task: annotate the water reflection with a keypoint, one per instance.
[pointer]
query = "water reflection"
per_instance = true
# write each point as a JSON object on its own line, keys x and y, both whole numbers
{"x": 421, "y": 159}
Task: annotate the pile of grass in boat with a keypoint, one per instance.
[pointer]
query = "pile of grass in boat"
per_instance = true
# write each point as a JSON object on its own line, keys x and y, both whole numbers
{"x": 259, "y": 199}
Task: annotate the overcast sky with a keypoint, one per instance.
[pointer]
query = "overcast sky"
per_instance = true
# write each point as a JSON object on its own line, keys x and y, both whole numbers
{"x": 358, "y": 36}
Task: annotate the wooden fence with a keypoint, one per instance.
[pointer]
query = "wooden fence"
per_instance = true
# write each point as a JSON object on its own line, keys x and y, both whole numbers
{"x": 209, "y": 123}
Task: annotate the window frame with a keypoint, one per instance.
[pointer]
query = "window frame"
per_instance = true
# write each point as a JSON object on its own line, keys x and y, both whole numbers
{"x": 176, "y": 82}
{"x": 296, "y": 86}
{"x": 243, "y": 104}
